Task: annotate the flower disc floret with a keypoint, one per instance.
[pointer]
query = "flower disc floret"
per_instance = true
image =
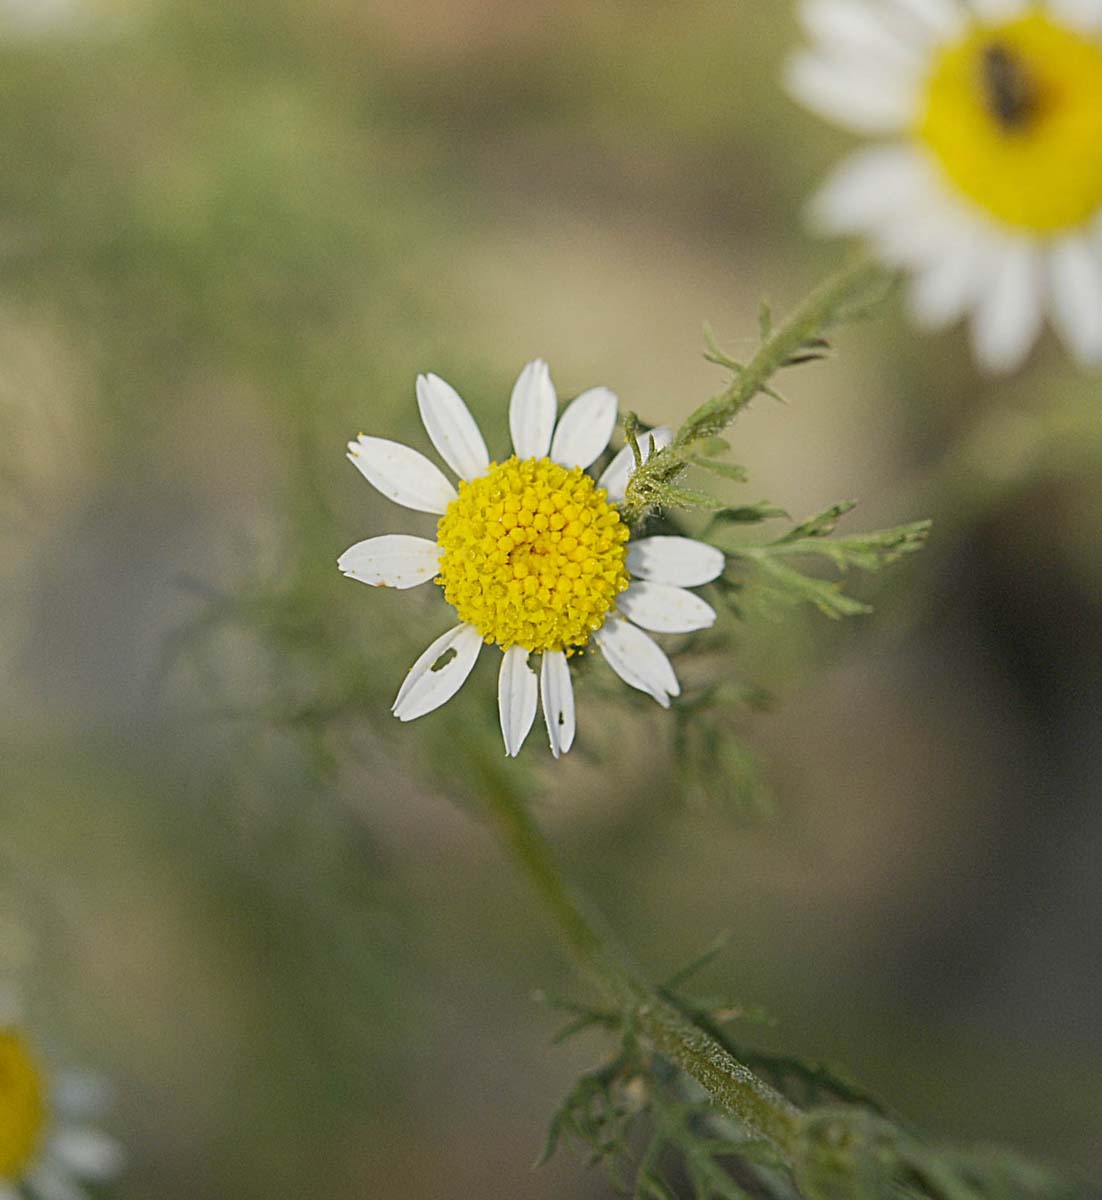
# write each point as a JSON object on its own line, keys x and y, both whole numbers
{"x": 22, "y": 1105}
{"x": 533, "y": 555}
{"x": 1013, "y": 115}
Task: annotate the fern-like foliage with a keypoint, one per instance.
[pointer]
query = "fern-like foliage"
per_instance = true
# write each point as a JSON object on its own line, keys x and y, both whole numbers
{"x": 780, "y": 569}
{"x": 658, "y": 1136}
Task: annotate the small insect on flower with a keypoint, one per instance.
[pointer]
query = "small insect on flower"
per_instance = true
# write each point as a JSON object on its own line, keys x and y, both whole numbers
{"x": 531, "y": 554}
{"x": 990, "y": 189}
{"x": 47, "y": 1149}
{"x": 1011, "y": 93}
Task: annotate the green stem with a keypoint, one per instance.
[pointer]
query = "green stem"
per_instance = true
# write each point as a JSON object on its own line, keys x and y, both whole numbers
{"x": 735, "y": 1087}
{"x": 731, "y": 1084}
{"x": 781, "y": 347}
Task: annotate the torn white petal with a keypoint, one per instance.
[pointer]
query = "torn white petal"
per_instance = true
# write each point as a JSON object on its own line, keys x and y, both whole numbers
{"x": 395, "y": 560}
{"x": 517, "y": 698}
{"x": 439, "y": 673}
{"x": 638, "y": 660}
{"x": 402, "y": 474}
{"x": 663, "y": 608}
{"x": 558, "y": 701}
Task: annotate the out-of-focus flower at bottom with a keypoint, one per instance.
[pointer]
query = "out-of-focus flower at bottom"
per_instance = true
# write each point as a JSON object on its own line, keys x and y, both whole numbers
{"x": 49, "y": 1144}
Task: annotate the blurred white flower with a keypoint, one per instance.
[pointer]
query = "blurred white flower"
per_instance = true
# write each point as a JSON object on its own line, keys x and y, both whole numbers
{"x": 40, "y": 16}
{"x": 989, "y": 187}
{"x": 532, "y": 555}
{"x": 49, "y": 1145}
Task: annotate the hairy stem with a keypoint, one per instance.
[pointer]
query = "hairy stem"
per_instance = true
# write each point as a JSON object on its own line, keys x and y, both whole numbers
{"x": 731, "y": 1084}
{"x": 735, "y": 1087}
{"x": 791, "y": 342}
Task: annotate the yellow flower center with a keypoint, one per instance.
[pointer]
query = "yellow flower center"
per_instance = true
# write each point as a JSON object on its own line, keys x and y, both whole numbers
{"x": 1013, "y": 114}
{"x": 533, "y": 555}
{"x": 22, "y": 1105}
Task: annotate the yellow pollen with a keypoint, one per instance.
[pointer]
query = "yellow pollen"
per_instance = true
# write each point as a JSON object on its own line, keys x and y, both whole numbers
{"x": 533, "y": 555}
{"x": 1013, "y": 115}
{"x": 22, "y": 1105}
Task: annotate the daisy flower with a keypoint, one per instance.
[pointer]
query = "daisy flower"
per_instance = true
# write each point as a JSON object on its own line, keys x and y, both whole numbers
{"x": 531, "y": 554}
{"x": 47, "y": 1148}
{"x": 988, "y": 186}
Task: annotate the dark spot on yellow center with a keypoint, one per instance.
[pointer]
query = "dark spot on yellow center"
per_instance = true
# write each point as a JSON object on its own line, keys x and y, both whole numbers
{"x": 1009, "y": 90}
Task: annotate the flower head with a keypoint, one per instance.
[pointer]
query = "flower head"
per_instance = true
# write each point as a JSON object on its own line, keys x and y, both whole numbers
{"x": 990, "y": 187}
{"x": 532, "y": 555}
{"x": 46, "y": 1148}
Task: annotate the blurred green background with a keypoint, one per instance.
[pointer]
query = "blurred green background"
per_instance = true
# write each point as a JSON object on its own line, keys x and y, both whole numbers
{"x": 231, "y": 234}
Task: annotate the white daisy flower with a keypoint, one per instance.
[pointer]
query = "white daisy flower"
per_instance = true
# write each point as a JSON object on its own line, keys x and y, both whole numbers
{"x": 48, "y": 1149}
{"x": 989, "y": 185}
{"x": 532, "y": 555}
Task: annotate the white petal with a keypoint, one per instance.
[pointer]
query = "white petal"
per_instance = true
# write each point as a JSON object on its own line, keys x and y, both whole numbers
{"x": 401, "y": 474}
{"x": 620, "y": 470}
{"x": 81, "y": 1095}
{"x": 49, "y": 1182}
{"x": 1075, "y": 269}
{"x": 585, "y": 427}
{"x": 945, "y": 289}
{"x": 454, "y": 432}
{"x": 638, "y": 660}
{"x": 942, "y": 18}
{"x": 1086, "y": 14}
{"x": 854, "y": 26}
{"x": 87, "y": 1153}
{"x": 532, "y": 411}
{"x": 998, "y": 10}
{"x": 868, "y": 188}
{"x": 394, "y": 560}
{"x": 863, "y": 96}
{"x": 678, "y": 560}
{"x": 558, "y": 701}
{"x": 1008, "y": 315}
{"x": 427, "y": 686}
{"x": 663, "y": 608}
{"x": 925, "y": 220}
{"x": 517, "y": 698}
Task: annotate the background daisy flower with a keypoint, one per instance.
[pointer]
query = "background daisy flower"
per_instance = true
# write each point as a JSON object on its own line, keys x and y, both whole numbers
{"x": 990, "y": 187}
{"x": 532, "y": 555}
{"x": 48, "y": 1147}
